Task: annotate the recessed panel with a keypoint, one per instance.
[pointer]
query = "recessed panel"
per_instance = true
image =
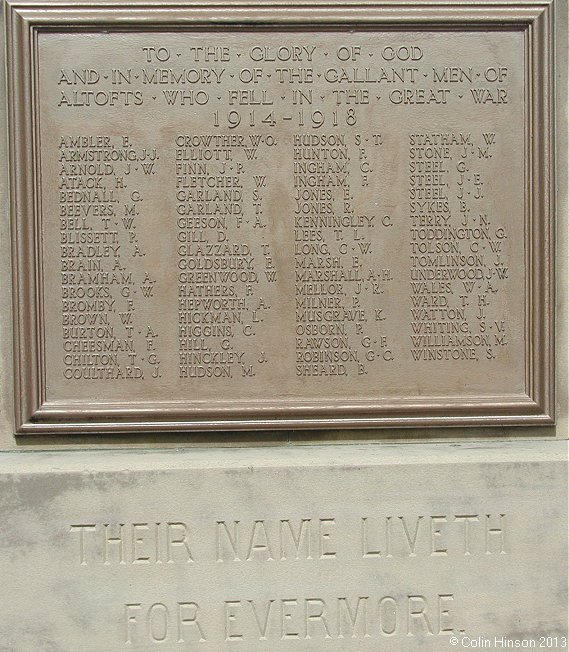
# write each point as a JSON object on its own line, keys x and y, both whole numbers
{"x": 286, "y": 223}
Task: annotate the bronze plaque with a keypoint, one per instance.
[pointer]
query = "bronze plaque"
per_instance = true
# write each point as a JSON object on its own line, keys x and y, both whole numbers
{"x": 269, "y": 217}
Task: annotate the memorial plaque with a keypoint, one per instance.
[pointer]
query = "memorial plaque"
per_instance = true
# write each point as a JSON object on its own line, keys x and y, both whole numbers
{"x": 273, "y": 217}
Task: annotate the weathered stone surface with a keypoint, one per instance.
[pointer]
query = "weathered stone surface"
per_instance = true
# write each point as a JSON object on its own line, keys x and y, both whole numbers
{"x": 348, "y": 548}
{"x": 50, "y": 600}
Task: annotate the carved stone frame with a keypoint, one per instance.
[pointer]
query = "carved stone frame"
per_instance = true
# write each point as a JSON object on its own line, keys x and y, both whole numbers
{"x": 35, "y": 415}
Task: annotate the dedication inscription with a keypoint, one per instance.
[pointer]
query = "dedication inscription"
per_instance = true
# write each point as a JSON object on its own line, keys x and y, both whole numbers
{"x": 253, "y": 227}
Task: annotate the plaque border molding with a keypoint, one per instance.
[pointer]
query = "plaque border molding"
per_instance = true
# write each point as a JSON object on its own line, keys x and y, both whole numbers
{"x": 34, "y": 414}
